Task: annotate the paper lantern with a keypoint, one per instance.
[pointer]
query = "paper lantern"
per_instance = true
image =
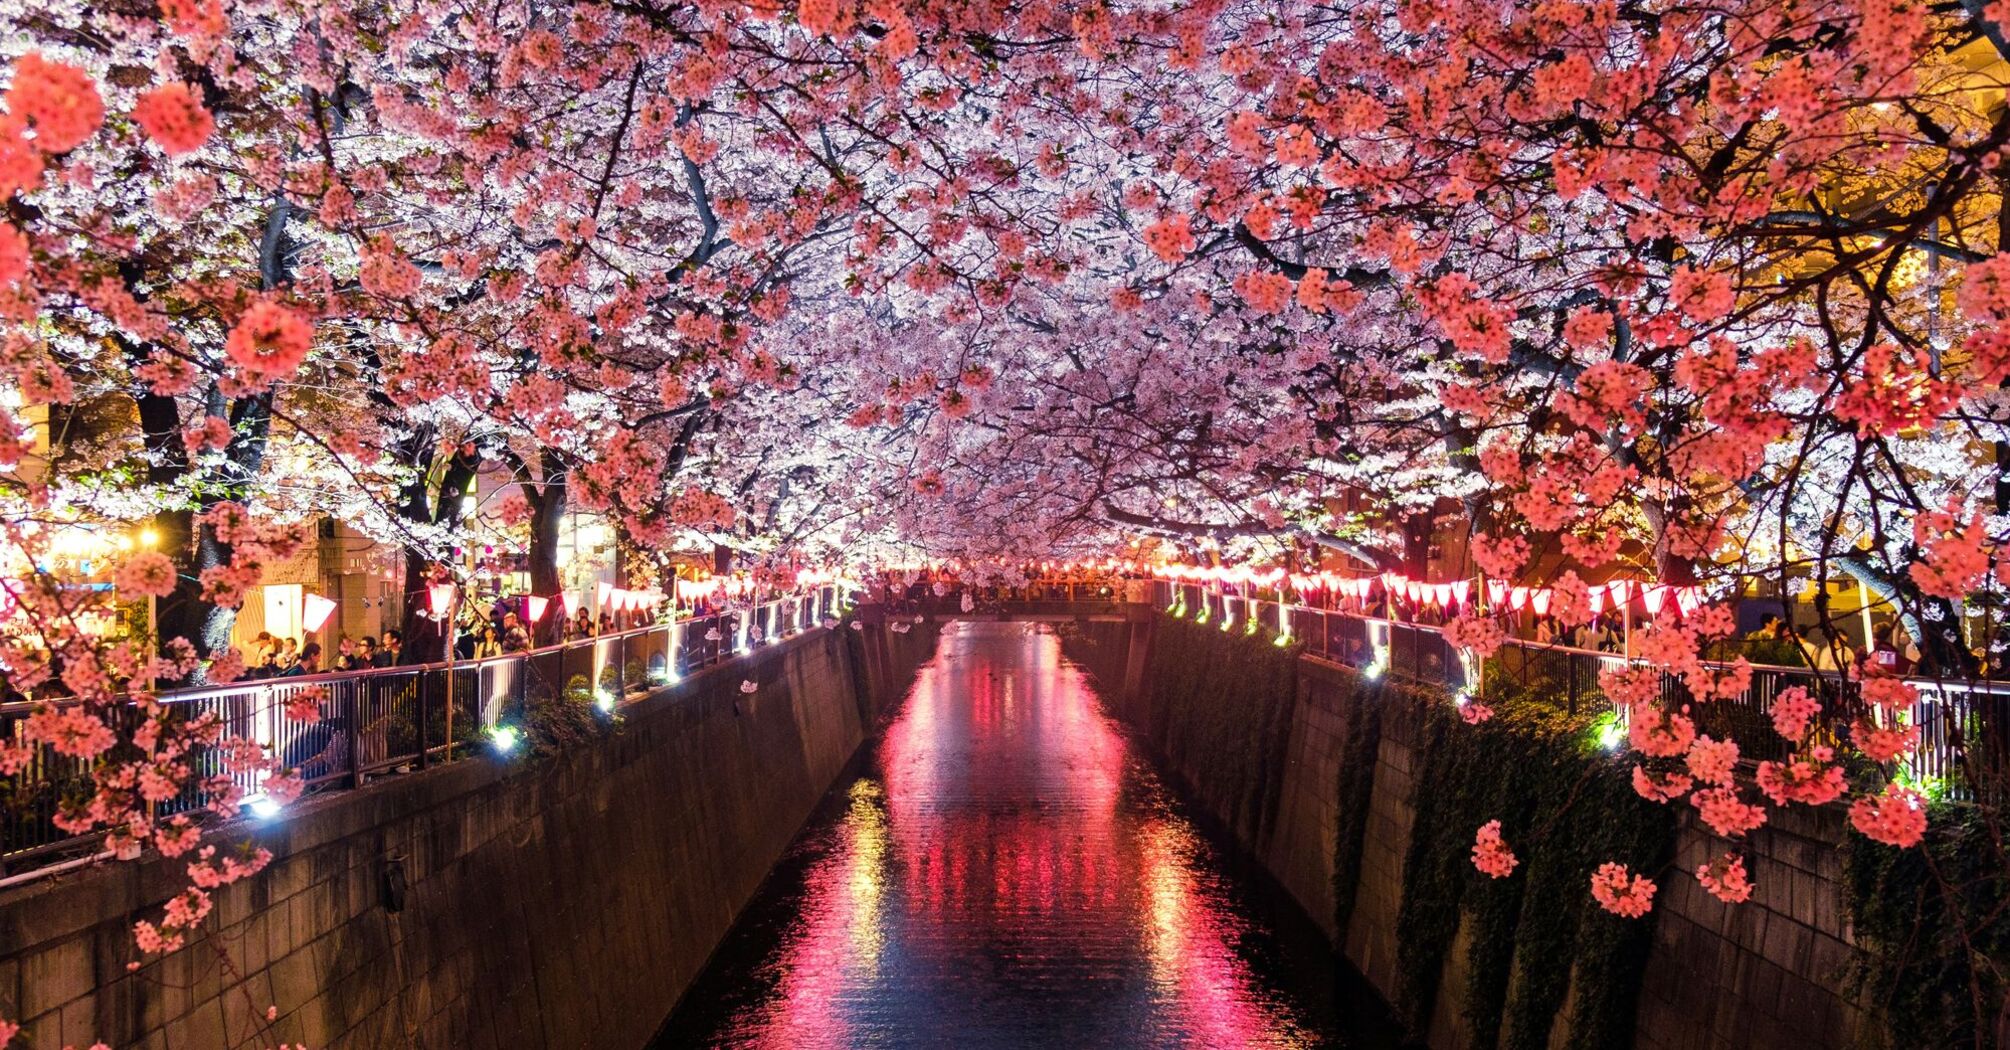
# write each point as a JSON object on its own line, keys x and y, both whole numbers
{"x": 571, "y": 600}
{"x": 1461, "y": 590}
{"x": 1622, "y": 592}
{"x": 1688, "y": 599}
{"x": 1597, "y": 597}
{"x": 1538, "y": 598}
{"x": 440, "y": 598}
{"x": 1654, "y": 598}
{"x": 606, "y": 594}
{"x": 1496, "y": 591}
{"x": 534, "y": 607}
{"x": 1517, "y": 598}
{"x": 314, "y": 611}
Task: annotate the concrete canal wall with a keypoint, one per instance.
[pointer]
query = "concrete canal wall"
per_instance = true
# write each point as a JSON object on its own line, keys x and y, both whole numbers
{"x": 1319, "y": 775}
{"x": 557, "y": 902}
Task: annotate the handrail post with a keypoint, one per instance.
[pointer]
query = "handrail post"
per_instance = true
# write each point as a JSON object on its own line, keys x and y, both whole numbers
{"x": 425, "y": 715}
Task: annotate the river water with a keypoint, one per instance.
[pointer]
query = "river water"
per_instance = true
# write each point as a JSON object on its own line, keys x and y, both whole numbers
{"x": 1006, "y": 870}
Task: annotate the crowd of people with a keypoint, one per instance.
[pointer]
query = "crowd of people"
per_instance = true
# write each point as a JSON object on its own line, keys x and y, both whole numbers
{"x": 497, "y": 631}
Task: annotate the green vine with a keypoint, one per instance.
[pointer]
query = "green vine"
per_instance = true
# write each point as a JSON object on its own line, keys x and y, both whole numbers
{"x": 1566, "y": 809}
{"x": 1360, "y": 749}
{"x": 1933, "y": 926}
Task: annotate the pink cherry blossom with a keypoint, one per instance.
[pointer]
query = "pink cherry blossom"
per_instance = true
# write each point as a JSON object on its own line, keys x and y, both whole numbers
{"x": 1725, "y": 879}
{"x": 1621, "y": 892}
{"x": 1491, "y": 854}
{"x": 1895, "y": 818}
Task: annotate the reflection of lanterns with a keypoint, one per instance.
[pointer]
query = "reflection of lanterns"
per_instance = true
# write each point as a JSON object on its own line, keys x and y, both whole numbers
{"x": 314, "y": 611}
{"x": 441, "y": 598}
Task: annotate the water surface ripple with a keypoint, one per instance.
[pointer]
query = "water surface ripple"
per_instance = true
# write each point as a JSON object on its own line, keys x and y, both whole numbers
{"x": 1007, "y": 871}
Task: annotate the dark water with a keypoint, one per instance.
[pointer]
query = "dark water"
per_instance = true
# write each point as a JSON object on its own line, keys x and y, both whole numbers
{"x": 1007, "y": 871}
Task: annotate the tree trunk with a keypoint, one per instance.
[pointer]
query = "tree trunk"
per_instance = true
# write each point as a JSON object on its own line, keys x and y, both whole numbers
{"x": 547, "y": 516}
{"x": 425, "y": 639}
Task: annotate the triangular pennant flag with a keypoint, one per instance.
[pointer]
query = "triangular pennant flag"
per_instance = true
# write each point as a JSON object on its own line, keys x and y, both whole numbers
{"x": 313, "y": 611}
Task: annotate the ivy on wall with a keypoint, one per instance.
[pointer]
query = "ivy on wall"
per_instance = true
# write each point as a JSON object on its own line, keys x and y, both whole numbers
{"x": 1565, "y": 809}
{"x": 1933, "y": 926}
{"x": 1360, "y": 749}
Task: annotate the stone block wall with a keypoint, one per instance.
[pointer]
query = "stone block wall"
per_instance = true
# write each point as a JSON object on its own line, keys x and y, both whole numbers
{"x": 1763, "y": 973}
{"x": 561, "y": 902}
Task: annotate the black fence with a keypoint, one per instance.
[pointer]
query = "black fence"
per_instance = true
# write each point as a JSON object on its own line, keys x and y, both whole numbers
{"x": 377, "y": 722}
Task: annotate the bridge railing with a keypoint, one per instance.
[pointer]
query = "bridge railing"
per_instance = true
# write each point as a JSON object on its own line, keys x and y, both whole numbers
{"x": 374, "y": 722}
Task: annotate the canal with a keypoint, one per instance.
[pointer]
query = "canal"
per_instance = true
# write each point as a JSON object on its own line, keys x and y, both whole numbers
{"x": 1005, "y": 869}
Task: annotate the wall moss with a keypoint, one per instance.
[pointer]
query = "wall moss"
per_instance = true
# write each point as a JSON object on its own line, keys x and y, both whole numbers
{"x": 1354, "y": 787}
{"x": 1565, "y": 808}
{"x": 1933, "y": 924}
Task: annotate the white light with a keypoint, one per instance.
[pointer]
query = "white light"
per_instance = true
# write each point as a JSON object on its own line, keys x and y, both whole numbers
{"x": 505, "y": 738}
{"x": 263, "y": 806}
{"x": 603, "y": 699}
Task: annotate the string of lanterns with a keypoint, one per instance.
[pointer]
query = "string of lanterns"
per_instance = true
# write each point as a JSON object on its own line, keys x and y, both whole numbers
{"x": 1451, "y": 595}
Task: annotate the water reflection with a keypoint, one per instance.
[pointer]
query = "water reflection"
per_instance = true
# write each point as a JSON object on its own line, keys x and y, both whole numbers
{"x": 1008, "y": 872}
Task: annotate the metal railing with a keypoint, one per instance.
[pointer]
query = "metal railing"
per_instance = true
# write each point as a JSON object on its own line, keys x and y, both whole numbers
{"x": 375, "y": 722}
{"x": 1964, "y": 748}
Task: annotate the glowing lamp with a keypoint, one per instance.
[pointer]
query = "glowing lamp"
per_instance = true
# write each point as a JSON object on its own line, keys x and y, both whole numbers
{"x": 1517, "y": 598}
{"x": 440, "y": 598}
{"x": 314, "y": 611}
{"x": 1496, "y": 591}
{"x": 571, "y": 601}
{"x": 1597, "y": 597}
{"x": 606, "y": 593}
{"x": 1654, "y": 598}
{"x": 1622, "y": 592}
{"x": 1538, "y": 598}
{"x": 534, "y": 607}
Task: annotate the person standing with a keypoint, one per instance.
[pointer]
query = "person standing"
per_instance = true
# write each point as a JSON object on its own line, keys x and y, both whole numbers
{"x": 514, "y": 638}
{"x": 309, "y": 662}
